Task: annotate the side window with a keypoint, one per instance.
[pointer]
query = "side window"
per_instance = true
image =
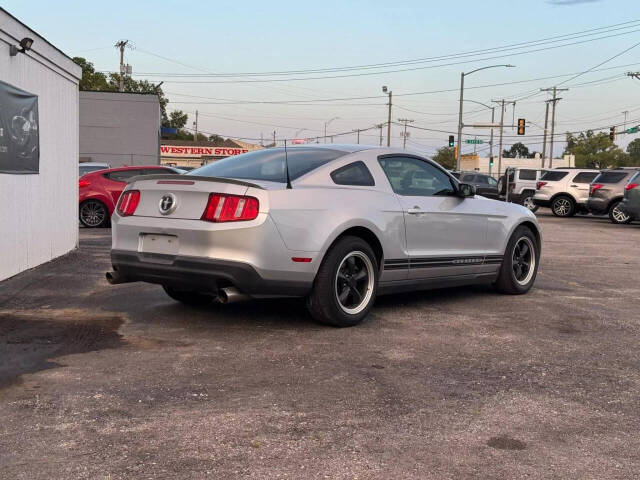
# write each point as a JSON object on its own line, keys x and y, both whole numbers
{"x": 468, "y": 178}
{"x": 492, "y": 181}
{"x": 355, "y": 173}
{"x": 585, "y": 177}
{"x": 482, "y": 180}
{"x": 122, "y": 175}
{"x": 527, "y": 175}
{"x": 414, "y": 177}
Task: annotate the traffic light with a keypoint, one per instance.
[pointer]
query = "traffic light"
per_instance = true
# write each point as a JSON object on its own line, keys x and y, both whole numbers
{"x": 521, "y": 126}
{"x": 491, "y": 161}
{"x": 612, "y": 133}
{"x": 452, "y": 140}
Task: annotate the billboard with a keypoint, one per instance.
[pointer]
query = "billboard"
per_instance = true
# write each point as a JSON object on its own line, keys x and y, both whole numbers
{"x": 19, "y": 131}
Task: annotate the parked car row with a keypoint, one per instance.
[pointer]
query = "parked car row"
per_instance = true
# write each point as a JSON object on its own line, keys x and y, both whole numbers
{"x": 567, "y": 191}
{"x": 100, "y": 190}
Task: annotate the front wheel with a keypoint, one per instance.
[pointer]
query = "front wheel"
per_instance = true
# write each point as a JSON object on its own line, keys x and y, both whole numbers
{"x": 345, "y": 287}
{"x": 528, "y": 202}
{"x": 616, "y": 215}
{"x": 520, "y": 263}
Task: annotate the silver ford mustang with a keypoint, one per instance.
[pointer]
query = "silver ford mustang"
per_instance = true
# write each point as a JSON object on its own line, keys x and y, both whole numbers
{"x": 337, "y": 224}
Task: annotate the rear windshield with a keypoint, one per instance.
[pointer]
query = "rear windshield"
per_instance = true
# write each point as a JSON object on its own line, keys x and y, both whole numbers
{"x": 527, "y": 175}
{"x": 610, "y": 177}
{"x": 552, "y": 176}
{"x": 269, "y": 164}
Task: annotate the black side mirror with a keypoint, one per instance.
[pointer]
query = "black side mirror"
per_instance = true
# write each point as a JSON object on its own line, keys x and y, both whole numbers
{"x": 466, "y": 190}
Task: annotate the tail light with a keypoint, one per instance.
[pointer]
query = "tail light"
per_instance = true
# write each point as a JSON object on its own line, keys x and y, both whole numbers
{"x": 594, "y": 187}
{"x": 128, "y": 203}
{"x": 83, "y": 183}
{"x": 631, "y": 186}
{"x": 230, "y": 208}
{"x": 539, "y": 185}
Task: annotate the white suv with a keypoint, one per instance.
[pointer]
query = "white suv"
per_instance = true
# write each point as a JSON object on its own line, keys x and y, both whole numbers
{"x": 565, "y": 190}
{"x": 522, "y": 186}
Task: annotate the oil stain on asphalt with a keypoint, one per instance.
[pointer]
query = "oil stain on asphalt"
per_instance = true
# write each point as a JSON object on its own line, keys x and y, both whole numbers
{"x": 31, "y": 340}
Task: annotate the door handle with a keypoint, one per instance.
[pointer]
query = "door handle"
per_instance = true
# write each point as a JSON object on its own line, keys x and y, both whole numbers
{"x": 414, "y": 211}
{"x": 574, "y": 186}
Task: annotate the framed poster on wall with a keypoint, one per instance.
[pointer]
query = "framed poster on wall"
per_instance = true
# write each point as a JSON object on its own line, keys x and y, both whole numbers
{"x": 19, "y": 131}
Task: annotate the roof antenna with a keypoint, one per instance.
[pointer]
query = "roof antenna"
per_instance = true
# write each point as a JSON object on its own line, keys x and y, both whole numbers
{"x": 286, "y": 165}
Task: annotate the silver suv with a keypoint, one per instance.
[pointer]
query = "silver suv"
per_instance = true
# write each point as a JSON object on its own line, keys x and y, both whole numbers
{"x": 565, "y": 190}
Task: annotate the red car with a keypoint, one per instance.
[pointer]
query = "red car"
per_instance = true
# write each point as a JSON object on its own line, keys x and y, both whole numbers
{"x": 100, "y": 190}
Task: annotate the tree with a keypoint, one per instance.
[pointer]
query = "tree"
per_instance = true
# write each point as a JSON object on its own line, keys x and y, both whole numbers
{"x": 517, "y": 150}
{"x": 595, "y": 150}
{"x": 91, "y": 80}
{"x": 216, "y": 138}
{"x": 633, "y": 149}
{"x": 177, "y": 119}
{"x": 444, "y": 156}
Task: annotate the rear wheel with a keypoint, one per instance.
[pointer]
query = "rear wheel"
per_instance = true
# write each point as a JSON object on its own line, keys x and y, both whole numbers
{"x": 188, "y": 297}
{"x": 345, "y": 287}
{"x": 563, "y": 206}
{"x": 528, "y": 202}
{"x": 616, "y": 215}
{"x": 93, "y": 214}
{"x": 520, "y": 263}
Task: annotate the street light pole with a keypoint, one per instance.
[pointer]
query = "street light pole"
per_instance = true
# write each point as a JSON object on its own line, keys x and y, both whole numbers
{"x": 325, "y": 127}
{"x": 460, "y": 124}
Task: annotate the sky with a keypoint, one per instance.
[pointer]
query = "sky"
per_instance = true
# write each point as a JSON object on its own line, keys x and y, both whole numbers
{"x": 186, "y": 44}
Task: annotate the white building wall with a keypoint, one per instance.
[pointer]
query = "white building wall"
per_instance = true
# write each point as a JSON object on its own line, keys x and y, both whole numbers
{"x": 39, "y": 213}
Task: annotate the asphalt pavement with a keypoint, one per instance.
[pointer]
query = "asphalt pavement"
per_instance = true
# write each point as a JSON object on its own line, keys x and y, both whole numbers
{"x": 119, "y": 382}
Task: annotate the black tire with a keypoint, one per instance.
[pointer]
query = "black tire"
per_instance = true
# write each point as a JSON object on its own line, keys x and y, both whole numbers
{"x": 563, "y": 206}
{"x": 617, "y": 216}
{"x": 339, "y": 272}
{"x": 188, "y": 297}
{"x": 502, "y": 186}
{"x": 93, "y": 214}
{"x": 528, "y": 203}
{"x": 513, "y": 279}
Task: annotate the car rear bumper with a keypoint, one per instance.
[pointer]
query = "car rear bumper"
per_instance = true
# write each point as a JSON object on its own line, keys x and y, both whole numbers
{"x": 597, "y": 206}
{"x": 201, "y": 274}
{"x": 542, "y": 202}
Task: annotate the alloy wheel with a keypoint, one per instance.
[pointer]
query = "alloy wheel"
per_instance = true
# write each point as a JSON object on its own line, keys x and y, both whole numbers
{"x": 618, "y": 215}
{"x": 92, "y": 213}
{"x": 354, "y": 282}
{"x": 562, "y": 207}
{"x": 528, "y": 202}
{"x": 523, "y": 260}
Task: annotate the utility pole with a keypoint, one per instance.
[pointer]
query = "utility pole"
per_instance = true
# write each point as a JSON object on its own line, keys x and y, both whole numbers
{"x": 493, "y": 111}
{"x": 544, "y": 138}
{"x": 358, "y": 130}
{"x": 261, "y": 139}
{"x": 502, "y": 103}
{"x": 404, "y": 135}
{"x": 555, "y": 100}
{"x": 196, "y": 125}
{"x": 123, "y": 70}
{"x": 274, "y": 138}
{"x": 635, "y": 75}
{"x": 389, "y": 122}
{"x": 625, "y": 113}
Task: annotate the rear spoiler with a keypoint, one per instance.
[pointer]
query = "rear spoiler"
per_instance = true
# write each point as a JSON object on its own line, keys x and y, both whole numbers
{"x": 168, "y": 176}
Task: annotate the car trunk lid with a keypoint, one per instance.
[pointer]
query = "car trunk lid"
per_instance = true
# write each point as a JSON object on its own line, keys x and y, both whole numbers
{"x": 184, "y": 196}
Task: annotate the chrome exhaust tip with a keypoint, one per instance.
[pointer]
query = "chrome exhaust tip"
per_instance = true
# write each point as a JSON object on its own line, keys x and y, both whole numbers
{"x": 231, "y": 295}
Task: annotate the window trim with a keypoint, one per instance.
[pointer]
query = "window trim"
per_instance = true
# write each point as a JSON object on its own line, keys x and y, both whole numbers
{"x": 453, "y": 180}
{"x": 372, "y": 182}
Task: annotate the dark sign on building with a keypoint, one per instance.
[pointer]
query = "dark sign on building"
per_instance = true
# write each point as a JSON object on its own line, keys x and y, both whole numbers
{"x": 19, "y": 138}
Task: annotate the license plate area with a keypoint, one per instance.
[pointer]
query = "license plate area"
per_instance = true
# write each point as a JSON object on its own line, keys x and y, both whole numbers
{"x": 158, "y": 243}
